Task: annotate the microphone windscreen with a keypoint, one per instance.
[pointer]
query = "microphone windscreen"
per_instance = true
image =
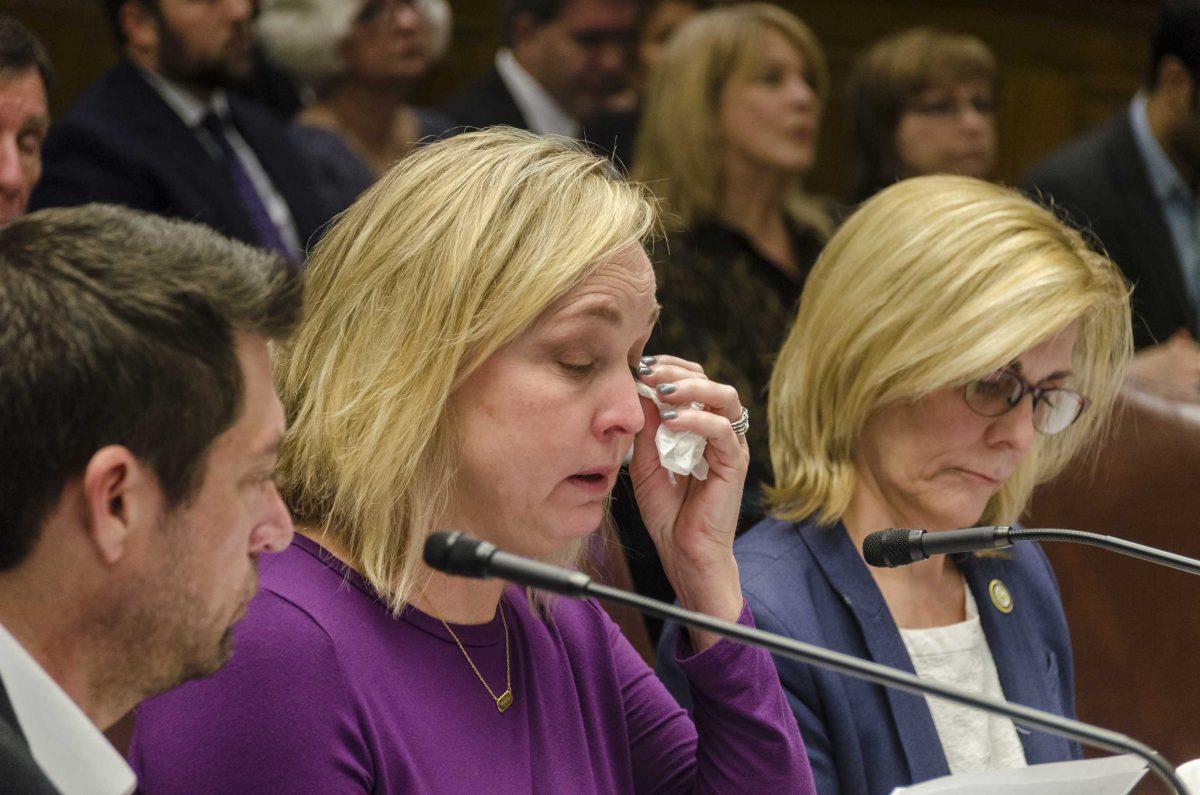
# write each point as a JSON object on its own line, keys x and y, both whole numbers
{"x": 872, "y": 548}
{"x": 888, "y": 548}
{"x": 437, "y": 548}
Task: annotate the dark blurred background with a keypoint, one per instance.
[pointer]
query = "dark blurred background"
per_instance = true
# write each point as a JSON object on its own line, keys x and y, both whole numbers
{"x": 1065, "y": 66}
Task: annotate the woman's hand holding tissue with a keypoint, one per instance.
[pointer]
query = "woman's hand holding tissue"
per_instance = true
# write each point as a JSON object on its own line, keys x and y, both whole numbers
{"x": 692, "y": 521}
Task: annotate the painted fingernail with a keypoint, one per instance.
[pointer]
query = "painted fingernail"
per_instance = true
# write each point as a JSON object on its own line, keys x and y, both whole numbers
{"x": 669, "y": 414}
{"x": 644, "y": 370}
{"x": 666, "y": 389}
{"x": 649, "y": 360}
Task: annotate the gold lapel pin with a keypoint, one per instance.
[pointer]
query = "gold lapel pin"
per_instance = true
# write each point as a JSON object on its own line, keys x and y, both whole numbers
{"x": 1001, "y": 598}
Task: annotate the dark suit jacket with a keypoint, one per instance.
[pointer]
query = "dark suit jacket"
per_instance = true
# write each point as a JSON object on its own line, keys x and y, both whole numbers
{"x": 19, "y": 773}
{"x": 122, "y": 144}
{"x": 809, "y": 583}
{"x": 1102, "y": 183}
{"x": 487, "y": 102}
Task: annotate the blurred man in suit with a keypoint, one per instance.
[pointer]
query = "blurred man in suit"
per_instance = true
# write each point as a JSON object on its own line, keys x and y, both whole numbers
{"x": 564, "y": 62}
{"x": 1134, "y": 182}
{"x": 160, "y": 132}
{"x": 139, "y": 430}
{"x": 25, "y": 76}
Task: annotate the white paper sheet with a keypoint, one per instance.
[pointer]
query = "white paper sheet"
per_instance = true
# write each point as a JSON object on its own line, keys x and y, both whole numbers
{"x": 1112, "y": 775}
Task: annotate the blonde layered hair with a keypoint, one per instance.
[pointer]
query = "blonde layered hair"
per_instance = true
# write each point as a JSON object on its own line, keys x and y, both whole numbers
{"x": 934, "y": 282}
{"x": 679, "y": 144}
{"x": 453, "y": 253}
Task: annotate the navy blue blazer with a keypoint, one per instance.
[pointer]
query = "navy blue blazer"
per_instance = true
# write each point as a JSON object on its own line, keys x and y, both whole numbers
{"x": 122, "y": 144}
{"x": 809, "y": 583}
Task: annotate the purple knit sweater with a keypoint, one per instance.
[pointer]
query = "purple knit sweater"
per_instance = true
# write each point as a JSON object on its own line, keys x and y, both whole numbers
{"x": 328, "y": 692}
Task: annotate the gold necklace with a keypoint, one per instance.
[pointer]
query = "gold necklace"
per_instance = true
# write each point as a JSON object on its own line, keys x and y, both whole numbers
{"x": 505, "y": 699}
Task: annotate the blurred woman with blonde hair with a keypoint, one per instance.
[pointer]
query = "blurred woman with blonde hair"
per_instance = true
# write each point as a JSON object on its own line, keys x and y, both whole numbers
{"x": 730, "y": 127}
{"x": 956, "y": 345}
{"x": 469, "y": 360}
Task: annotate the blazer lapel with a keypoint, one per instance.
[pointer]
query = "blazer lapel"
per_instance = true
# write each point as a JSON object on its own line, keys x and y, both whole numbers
{"x": 8, "y": 715}
{"x": 1026, "y": 666}
{"x": 848, "y": 575}
{"x": 171, "y": 141}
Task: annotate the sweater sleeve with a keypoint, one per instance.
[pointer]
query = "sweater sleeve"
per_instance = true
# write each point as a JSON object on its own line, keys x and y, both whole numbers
{"x": 740, "y": 737}
{"x": 269, "y": 721}
{"x": 802, "y": 697}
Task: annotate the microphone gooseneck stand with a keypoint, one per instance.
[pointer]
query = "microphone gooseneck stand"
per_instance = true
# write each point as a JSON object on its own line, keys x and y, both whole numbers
{"x": 898, "y": 546}
{"x": 456, "y": 553}
{"x": 893, "y": 678}
{"x": 1112, "y": 543}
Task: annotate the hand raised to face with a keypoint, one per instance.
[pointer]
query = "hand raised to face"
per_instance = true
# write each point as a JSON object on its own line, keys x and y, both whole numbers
{"x": 692, "y": 522}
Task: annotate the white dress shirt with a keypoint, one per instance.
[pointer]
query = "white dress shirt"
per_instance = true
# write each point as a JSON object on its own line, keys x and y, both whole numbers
{"x": 192, "y": 111}
{"x": 545, "y": 116}
{"x": 68, "y": 747}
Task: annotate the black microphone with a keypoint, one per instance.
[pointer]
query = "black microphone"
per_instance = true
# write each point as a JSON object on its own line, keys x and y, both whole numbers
{"x": 457, "y": 553}
{"x": 900, "y": 546}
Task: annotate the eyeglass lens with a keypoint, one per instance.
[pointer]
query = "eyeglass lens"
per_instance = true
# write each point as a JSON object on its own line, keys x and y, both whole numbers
{"x": 1053, "y": 411}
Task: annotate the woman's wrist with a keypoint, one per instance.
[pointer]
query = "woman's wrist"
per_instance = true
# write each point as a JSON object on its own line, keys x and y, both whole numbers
{"x": 714, "y": 590}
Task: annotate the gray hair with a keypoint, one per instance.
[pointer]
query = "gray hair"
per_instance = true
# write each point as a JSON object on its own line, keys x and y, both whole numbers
{"x": 302, "y": 36}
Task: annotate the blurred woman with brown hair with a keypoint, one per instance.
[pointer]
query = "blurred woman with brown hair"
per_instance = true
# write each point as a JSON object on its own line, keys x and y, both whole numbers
{"x": 922, "y": 101}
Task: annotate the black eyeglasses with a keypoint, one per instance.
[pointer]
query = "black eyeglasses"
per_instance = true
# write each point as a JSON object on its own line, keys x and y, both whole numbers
{"x": 1054, "y": 408}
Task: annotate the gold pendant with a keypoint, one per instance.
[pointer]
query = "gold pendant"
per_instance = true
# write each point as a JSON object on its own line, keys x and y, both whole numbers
{"x": 504, "y": 701}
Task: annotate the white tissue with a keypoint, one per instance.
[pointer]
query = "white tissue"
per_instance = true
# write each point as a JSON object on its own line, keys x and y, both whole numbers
{"x": 680, "y": 452}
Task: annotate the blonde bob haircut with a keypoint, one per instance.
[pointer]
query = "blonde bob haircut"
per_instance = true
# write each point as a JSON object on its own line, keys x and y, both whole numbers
{"x": 679, "y": 143}
{"x": 934, "y": 282}
{"x": 452, "y": 254}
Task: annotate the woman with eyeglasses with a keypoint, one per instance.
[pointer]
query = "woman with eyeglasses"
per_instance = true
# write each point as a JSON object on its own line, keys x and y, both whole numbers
{"x": 922, "y": 101}
{"x": 956, "y": 345}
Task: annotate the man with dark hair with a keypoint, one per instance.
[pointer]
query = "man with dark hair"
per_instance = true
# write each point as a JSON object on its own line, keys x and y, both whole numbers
{"x": 161, "y": 132}
{"x": 139, "y": 430}
{"x": 563, "y": 62}
{"x": 1134, "y": 182}
{"x": 25, "y": 77}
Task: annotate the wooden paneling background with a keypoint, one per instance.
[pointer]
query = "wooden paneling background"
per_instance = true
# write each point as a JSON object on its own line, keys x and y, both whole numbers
{"x": 1065, "y": 64}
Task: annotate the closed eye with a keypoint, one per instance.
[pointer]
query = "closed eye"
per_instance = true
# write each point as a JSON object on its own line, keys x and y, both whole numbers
{"x": 577, "y": 368}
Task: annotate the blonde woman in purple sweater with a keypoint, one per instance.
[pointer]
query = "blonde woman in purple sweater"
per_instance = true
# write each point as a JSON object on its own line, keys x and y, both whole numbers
{"x": 474, "y": 336}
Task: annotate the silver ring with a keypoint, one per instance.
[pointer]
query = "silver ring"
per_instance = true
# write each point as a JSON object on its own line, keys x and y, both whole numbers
{"x": 743, "y": 422}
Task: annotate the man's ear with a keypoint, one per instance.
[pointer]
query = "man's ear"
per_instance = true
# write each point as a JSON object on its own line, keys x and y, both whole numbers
{"x": 139, "y": 22}
{"x": 121, "y": 496}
